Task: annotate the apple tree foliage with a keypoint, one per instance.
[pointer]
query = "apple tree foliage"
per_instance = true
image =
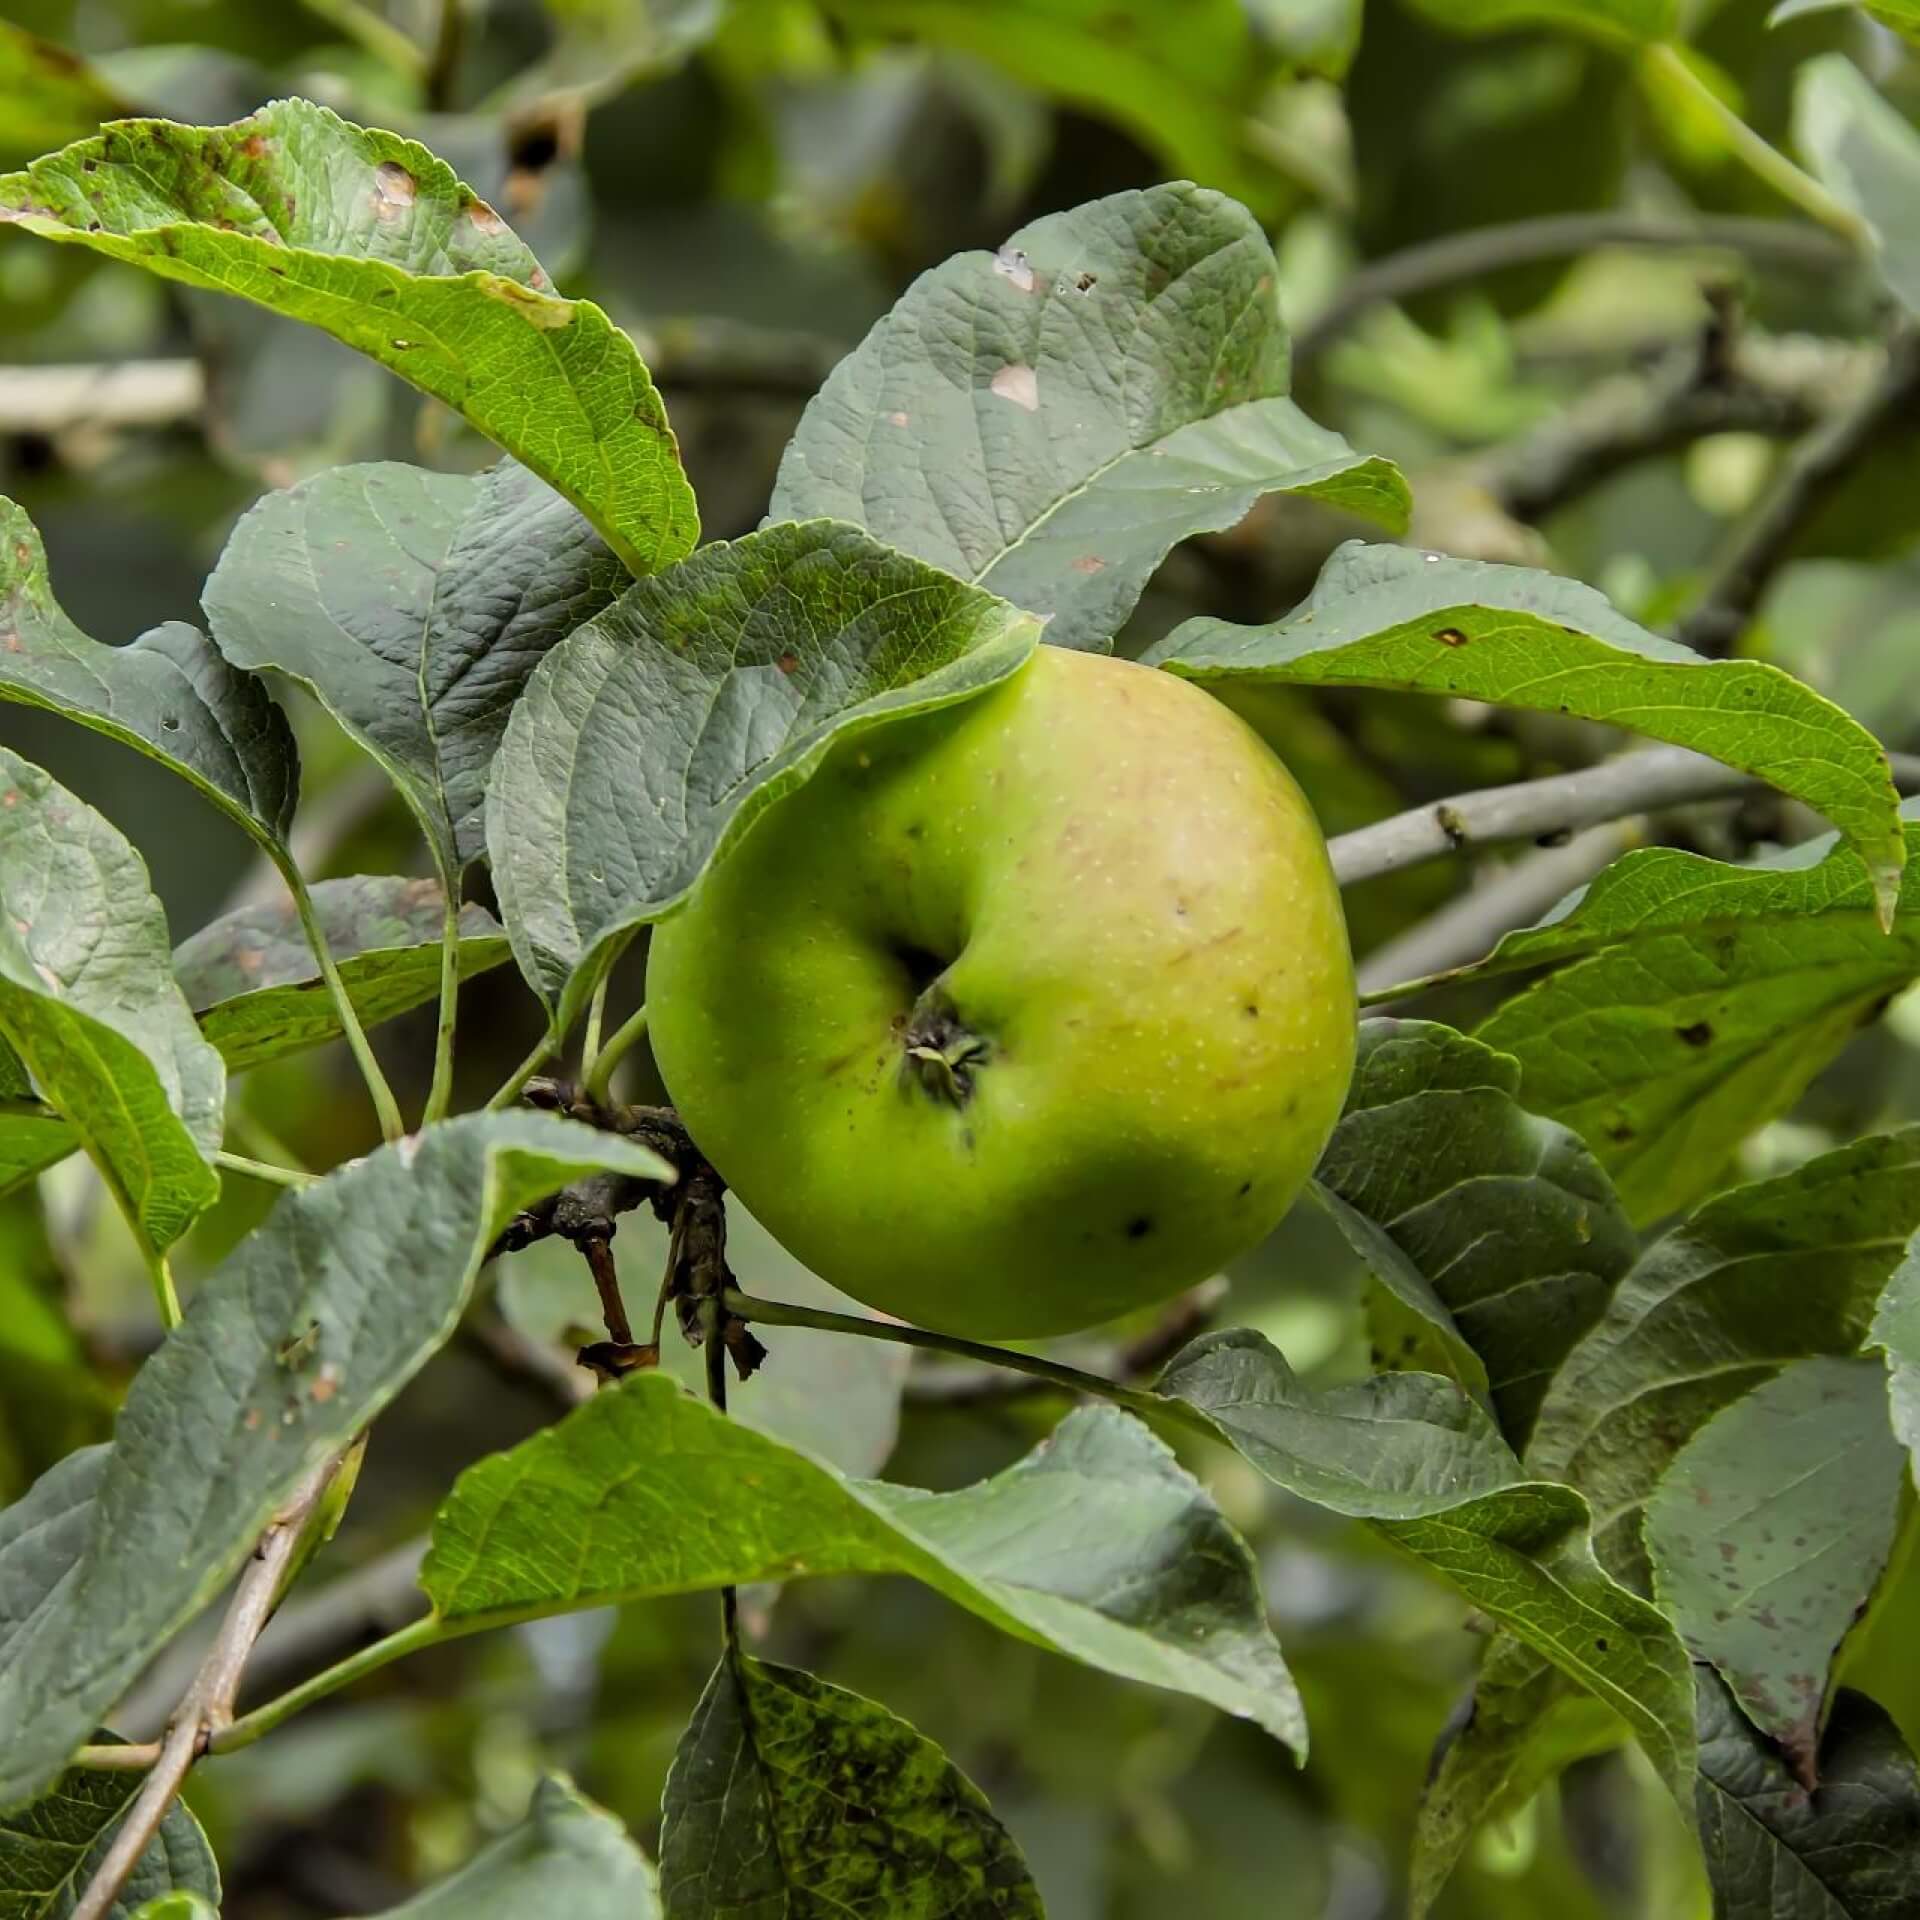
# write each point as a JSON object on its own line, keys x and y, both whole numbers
{"x": 1640, "y": 1402}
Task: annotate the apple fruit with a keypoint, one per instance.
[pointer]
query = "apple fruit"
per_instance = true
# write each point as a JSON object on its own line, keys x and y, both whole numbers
{"x": 1020, "y": 1013}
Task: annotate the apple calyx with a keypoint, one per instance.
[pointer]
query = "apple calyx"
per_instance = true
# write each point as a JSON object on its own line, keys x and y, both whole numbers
{"x": 942, "y": 1055}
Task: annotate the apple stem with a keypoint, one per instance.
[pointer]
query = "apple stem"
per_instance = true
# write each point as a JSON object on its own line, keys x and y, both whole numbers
{"x": 783, "y": 1313}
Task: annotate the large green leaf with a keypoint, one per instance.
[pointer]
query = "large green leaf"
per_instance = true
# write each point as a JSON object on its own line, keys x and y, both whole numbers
{"x": 1769, "y": 1531}
{"x": 567, "y": 1857}
{"x": 1048, "y": 421}
{"x": 791, "y": 1796}
{"x": 368, "y": 236}
{"x": 1524, "y": 1727}
{"x": 1394, "y": 618}
{"x": 1498, "y": 1219}
{"x": 1850, "y": 1850}
{"x": 1699, "y": 1002}
{"x": 1098, "y": 1544}
{"x": 1868, "y": 157}
{"x": 89, "y": 1005}
{"x": 653, "y": 735}
{"x": 1411, "y": 1453}
{"x": 288, "y": 1349}
{"x": 1896, "y": 1330}
{"x": 1181, "y": 79}
{"x": 1763, "y": 1275}
{"x": 49, "y": 1851}
{"x": 1638, "y": 20}
{"x": 413, "y": 605}
{"x": 250, "y": 975}
{"x": 168, "y": 694}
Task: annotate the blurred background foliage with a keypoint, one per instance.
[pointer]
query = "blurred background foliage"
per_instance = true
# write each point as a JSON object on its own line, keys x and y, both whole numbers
{"x": 746, "y": 185}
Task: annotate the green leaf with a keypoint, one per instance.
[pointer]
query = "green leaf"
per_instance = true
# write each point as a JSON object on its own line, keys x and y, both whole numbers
{"x": 47, "y": 94}
{"x": 32, "y": 1135}
{"x": 1415, "y": 1456}
{"x": 369, "y": 237}
{"x": 792, "y": 1796}
{"x": 1770, "y": 1530}
{"x": 1850, "y": 1850}
{"x": 567, "y": 1857}
{"x": 89, "y": 1005}
{"x": 288, "y": 1349}
{"x": 1766, "y": 1274}
{"x": 1393, "y": 618}
{"x": 1696, "y": 1001}
{"x": 1047, "y": 422}
{"x": 413, "y": 605}
{"x": 1617, "y": 20}
{"x": 1098, "y": 1544}
{"x": 601, "y": 47}
{"x": 1183, "y": 81}
{"x": 1896, "y": 1330}
{"x": 177, "y": 1906}
{"x": 1868, "y": 157}
{"x": 250, "y": 975}
{"x": 711, "y": 691}
{"x": 1498, "y": 1219}
{"x": 1525, "y": 1726}
{"x": 1903, "y": 16}
{"x": 168, "y": 694}
{"x": 49, "y": 1851}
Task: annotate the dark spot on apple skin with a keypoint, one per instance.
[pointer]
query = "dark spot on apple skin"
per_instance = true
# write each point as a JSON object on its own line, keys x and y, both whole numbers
{"x": 1246, "y": 1187}
{"x": 1139, "y": 1227}
{"x": 1697, "y": 1035}
{"x": 917, "y": 831}
{"x": 1251, "y": 1011}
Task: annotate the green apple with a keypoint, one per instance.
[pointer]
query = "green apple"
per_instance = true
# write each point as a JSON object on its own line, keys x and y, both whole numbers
{"x": 1021, "y": 1013}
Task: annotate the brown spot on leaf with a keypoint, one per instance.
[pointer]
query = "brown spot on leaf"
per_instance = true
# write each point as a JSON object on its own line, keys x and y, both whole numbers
{"x": 394, "y": 189}
{"x": 788, "y": 662}
{"x": 1089, "y": 563}
{"x": 1017, "y": 383}
{"x": 1697, "y": 1035}
{"x": 484, "y": 218}
{"x": 1450, "y": 636}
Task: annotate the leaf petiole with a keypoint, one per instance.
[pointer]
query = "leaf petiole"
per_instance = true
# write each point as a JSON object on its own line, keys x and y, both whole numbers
{"x": 602, "y": 1060}
{"x": 440, "y": 1094}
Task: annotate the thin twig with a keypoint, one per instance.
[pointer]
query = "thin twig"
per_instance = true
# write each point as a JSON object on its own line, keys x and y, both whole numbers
{"x": 1468, "y": 927}
{"x": 1813, "y": 471}
{"x": 1642, "y": 782}
{"x": 1486, "y": 250}
{"x": 208, "y": 1704}
{"x": 1777, "y": 387}
{"x": 1131, "y": 1360}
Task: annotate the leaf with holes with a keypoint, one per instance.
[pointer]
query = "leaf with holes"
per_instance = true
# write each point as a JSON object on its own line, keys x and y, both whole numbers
{"x": 168, "y": 694}
{"x": 1759, "y": 1277}
{"x": 413, "y": 606}
{"x": 1393, "y": 618}
{"x": 1769, "y": 1531}
{"x": 1098, "y": 1544}
{"x": 89, "y": 1006}
{"x": 1048, "y": 421}
{"x": 50, "y": 1850}
{"x": 1413, "y": 1455}
{"x": 789, "y": 1795}
{"x": 1493, "y": 1227}
{"x": 1850, "y": 1850}
{"x": 566, "y": 1857}
{"x": 652, "y": 737}
{"x": 368, "y": 236}
{"x": 289, "y": 1348}
{"x": 1868, "y": 156}
{"x": 1696, "y": 1001}
{"x": 250, "y": 975}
